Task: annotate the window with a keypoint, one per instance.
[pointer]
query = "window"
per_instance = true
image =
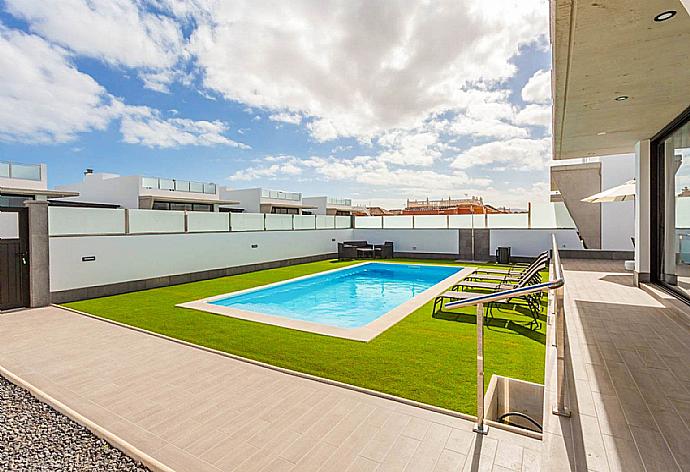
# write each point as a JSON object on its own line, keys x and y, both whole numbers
{"x": 674, "y": 197}
{"x": 202, "y": 207}
{"x": 285, "y": 211}
{"x": 14, "y": 201}
{"x": 181, "y": 206}
{"x": 670, "y": 207}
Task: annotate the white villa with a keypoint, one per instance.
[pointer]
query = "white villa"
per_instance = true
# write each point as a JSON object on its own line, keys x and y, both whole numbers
{"x": 140, "y": 192}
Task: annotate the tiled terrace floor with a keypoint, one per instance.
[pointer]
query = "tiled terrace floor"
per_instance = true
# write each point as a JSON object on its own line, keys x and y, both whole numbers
{"x": 630, "y": 354}
{"x": 197, "y": 411}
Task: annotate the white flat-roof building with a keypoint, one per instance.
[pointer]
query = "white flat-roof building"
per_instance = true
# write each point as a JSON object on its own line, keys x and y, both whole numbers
{"x": 330, "y": 205}
{"x": 261, "y": 200}
{"x": 20, "y": 182}
{"x": 139, "y": 192}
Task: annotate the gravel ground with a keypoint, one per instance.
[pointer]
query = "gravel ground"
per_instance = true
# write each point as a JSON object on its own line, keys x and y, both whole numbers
{"x": 34, "y": 437}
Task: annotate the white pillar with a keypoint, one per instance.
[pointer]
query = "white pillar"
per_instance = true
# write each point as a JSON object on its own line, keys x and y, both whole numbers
{"x": 642, "y": 210}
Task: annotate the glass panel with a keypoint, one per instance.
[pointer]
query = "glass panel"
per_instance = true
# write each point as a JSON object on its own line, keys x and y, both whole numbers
{"x": 166, "y": 184}
{"x": 4, "y": 169}
{"x": 14, "y": 200}
{"x": 25, "y": 171}
{"x": 149, "y": 182}
{"x": 196, "y": 187}
{"x": 339, "y": 201}
{"x": 278, "y": 195}
{"x": 181, "y": 206}
{"x": 675, "y": 264}
{"x": 182, "y": 185}
{"x": 201, "y": 207}
{"x": 210, "y": 188}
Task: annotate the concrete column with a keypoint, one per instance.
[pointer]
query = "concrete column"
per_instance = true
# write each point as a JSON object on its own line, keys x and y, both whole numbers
{"x": 642, "y": 209}
{"x": 39, "y": 253}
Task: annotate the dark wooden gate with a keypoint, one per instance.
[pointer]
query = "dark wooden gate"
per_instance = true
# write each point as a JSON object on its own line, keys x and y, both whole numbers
{"x": 14, "y": 264}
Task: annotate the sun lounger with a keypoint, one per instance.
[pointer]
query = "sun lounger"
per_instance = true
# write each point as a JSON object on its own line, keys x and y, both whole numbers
{"x": 479, "y": 276}
{"x": 516, "y": 269}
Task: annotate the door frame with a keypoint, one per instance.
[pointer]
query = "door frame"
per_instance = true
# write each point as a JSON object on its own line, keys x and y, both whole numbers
{"x": 657, "y": 204}
{"x": 23, "y": 233}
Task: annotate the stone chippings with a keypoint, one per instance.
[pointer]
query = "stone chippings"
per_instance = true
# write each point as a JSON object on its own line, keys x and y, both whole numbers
{"x": 34, "y": 437}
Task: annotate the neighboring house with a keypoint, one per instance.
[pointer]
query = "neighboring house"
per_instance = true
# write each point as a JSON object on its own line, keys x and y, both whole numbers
{"x": 261, "y": 200}
{"x": 21, "y": 182}
{"x": 451, "y": 206}
{"x": 330, "y": 206}
{"x": 134, "y": 191}
{"x": 608, "y": 226}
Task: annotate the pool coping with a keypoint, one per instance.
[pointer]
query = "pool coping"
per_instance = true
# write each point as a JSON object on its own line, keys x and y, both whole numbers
{"x": 363, "y": 333}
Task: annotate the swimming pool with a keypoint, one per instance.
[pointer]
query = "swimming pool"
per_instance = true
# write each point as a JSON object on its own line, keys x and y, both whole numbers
{"x": 347, "y": 298}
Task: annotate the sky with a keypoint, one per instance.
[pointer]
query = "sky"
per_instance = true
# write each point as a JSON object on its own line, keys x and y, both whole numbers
{"x": 378, "y": 101}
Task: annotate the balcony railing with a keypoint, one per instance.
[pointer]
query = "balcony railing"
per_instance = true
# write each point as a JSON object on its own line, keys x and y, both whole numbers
{"x": 556, "y": 284}
{"x": 14, "y": 170}
{"x": 178, "y": 185}
{"x": 278, "y": 195}
{"x": 339, "y": 201}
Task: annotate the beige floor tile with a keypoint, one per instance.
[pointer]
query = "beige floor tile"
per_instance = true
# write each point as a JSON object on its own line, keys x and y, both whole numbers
{"x": 656, "y": 456}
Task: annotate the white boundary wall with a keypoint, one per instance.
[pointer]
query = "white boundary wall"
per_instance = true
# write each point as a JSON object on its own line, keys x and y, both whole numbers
{"x": 532, "y": 242}
{"x": 430, "y": 241}
{"x": 136, "y": 257}
{"x": 67, "y": 220}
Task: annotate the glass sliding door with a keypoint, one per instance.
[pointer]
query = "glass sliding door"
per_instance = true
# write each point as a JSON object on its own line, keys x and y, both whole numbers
{"x": 674, "y": 217}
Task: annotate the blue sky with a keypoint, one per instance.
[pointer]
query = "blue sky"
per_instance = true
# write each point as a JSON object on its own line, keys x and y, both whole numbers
{"x": 377, "y": 101}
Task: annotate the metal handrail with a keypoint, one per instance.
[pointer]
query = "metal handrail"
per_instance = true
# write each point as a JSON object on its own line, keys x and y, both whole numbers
{"x": 556, "y": 284}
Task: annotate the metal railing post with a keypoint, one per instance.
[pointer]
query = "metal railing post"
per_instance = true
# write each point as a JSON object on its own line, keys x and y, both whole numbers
{"x": 480, "y": 427}
{"x": 561, "y": 409}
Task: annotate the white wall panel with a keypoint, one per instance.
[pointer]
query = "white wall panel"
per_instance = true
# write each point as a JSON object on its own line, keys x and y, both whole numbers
{"x": 368, "y": 221}
{"x": 532, "y": 242}
{"x": 397, "y": 221}
{"x": 198, "y": 221}
{"x": 247, "y": 221}
{"x": 156, "y": 221}
{"x": 304, "y": 221}
{"x": 440, "y": 241}
{"x": 66, "y": 220}
{"x": 325, "y": 221}
{"x": 278, "y": 222}
{"x": 342, "y": 222}
{"x": 136, "y": 257}
{"x": 431, "y": 221}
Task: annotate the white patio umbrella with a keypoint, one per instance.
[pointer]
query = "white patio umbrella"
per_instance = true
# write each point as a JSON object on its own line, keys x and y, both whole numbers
{"x": 621, "y": 193}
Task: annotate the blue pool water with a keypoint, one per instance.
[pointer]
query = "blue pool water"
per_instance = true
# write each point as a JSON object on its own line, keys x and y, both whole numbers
{"x": 347, "y": 298}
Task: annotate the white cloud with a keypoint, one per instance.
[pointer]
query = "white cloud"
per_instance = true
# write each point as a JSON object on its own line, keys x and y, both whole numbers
{"x": 535, "y": 115}
{"x": 117, "y": 31}
{"x": 292, "y": 118}
{"x": 362, "y": 68}
{"x": 44, "y": 98}
{"x": 285, "y": 166}
{"x": 538, "y": 88}
{"x": 515, "y": 154}
{"x": 415, "y": 148}
{"x": 143, "y": 125}
{"x": 375, "y": 172}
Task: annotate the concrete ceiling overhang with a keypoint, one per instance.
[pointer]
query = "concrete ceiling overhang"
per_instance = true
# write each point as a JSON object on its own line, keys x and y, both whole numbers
{"x": 603, "y": 49}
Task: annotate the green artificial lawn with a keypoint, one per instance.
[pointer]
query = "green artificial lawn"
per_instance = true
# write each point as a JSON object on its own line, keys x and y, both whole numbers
{"x": 427, "y": 359}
